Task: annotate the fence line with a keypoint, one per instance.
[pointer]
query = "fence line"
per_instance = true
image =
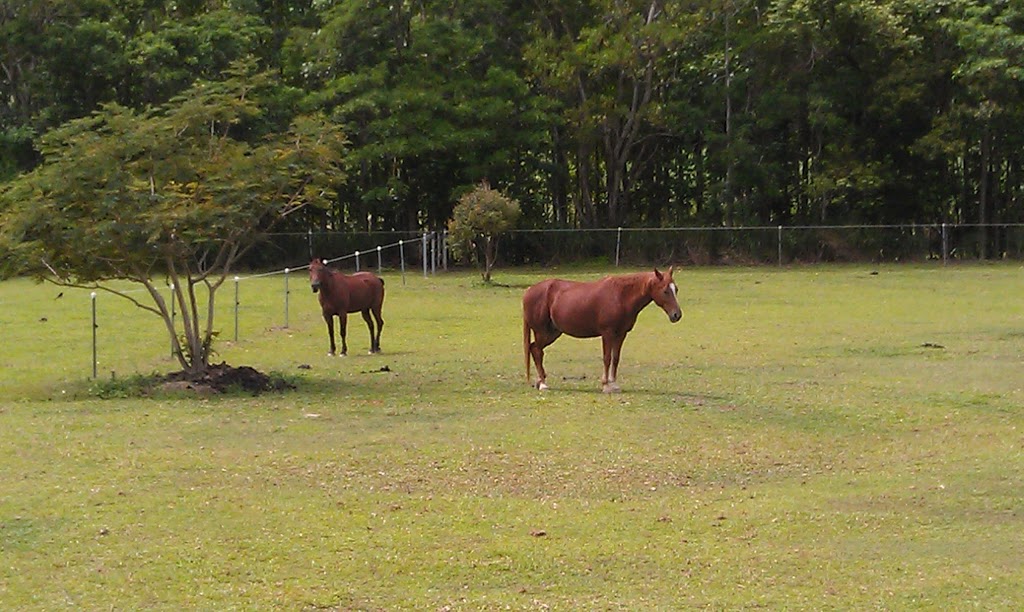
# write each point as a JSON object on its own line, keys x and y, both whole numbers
{"x": 777, "y": 244}
{"x": 434, "y": 250}
{"x": 430, "y": 241}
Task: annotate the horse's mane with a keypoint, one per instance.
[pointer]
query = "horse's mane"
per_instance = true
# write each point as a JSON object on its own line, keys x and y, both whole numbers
{"x": 628, "y": 280}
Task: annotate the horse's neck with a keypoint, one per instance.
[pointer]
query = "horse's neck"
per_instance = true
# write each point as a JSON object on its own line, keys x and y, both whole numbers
{"x": 332, "y": 278}
{"x": 635, "y": 295}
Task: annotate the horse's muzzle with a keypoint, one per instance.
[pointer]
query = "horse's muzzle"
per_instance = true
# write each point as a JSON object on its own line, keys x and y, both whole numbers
{"x": 315, "y": 287}
{"x": 675, "y": 316}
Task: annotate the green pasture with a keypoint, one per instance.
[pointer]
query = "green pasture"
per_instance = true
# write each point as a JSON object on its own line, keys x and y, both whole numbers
{"x": 806, "y": 438}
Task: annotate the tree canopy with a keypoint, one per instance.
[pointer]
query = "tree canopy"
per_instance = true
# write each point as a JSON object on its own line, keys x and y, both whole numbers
{"x": 177, "y": 192}
{"x": 589, "y": 113}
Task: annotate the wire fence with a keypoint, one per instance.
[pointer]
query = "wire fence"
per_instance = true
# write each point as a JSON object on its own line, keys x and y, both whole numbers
{"x": 409, "y": 252}
{"x": 424, "y": 252}
{"x": 747, "y": 245}
{"x": 777, "y": 245}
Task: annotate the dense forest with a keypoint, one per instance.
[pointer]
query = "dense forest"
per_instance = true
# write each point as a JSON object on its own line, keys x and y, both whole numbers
{"x": 590, "y": 113}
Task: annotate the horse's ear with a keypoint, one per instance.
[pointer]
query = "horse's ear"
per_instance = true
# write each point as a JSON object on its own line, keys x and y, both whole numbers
{"x": 670, "y": 268}
{"x": 658, "y": 275}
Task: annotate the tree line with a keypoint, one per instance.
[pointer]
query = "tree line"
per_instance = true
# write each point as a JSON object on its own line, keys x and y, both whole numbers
{"x": 589, "y": 113}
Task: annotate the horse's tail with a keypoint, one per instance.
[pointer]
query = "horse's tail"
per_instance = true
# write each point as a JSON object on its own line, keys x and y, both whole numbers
{"x": 526, "y": 346}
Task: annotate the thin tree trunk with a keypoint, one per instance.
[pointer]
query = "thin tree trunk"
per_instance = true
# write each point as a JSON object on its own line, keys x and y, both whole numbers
{"x": 983, "y": 191}
{"x": 585, "y": 199}
{"x": 559, "y": 182}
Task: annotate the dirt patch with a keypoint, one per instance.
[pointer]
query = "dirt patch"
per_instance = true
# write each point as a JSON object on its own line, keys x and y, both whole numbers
{"x": 220, "y": 378}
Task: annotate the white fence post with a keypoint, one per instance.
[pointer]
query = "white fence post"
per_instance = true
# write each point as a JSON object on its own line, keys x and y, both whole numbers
{"x": 93, "y": 298}
{"x": 424, "y": 254}
{"x": 945, "y": 245}
{"x": 286, "y": 294}
{"x": 236, "y": 309}
{"x": 780, "y": 246}
{"x": 173, "y": 315}
{"x": 401, "y": 256}
{"x": 618, "y": 244}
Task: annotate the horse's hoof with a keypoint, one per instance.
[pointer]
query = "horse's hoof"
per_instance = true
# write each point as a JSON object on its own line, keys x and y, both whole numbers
{"x": 611, "y": 388}
{"x": 542, "y": 386}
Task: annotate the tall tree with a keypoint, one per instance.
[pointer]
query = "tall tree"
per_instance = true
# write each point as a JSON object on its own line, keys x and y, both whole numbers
{"x": 986, "y": 117}
{"x": 182, "y": 191}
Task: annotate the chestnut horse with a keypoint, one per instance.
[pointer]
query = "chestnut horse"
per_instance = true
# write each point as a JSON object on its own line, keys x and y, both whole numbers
{"x": 607, "y": 308}
{"x": 341, "y": 294}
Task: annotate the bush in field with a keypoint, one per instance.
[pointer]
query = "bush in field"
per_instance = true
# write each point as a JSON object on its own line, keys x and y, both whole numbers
{"x": 478, "y": 219}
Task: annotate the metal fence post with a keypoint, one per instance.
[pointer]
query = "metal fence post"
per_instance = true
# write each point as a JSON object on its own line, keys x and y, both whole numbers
{"x": 424, "y": 254}
{"x": 425, "y": 262}
{"x": 380, "y": 267}
{"x": 618, "y": 244}
{"x": 444, "y": 250}
{"x": 286, "y": 294}
{"x": 357, "y": 261}
{"x": 945, "y": 245}
{"x": 174, "y": 329}
{"x": 93, "y": 297}
{"x": 401, "y": 256}
{"x": 236, "y": 309}
{"x": 780, "y": 246}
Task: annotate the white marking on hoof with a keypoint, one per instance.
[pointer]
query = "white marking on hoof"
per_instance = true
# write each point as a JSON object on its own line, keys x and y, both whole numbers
{"x": 541, "y": 386}
{"x": 611, "y": 388}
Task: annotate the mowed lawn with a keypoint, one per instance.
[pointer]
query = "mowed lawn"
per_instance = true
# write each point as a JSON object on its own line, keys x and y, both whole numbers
{"x": 806, "y": 438}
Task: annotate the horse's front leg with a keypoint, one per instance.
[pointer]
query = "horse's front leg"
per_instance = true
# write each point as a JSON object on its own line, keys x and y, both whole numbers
{"x": 329, "y": 319}
{"x": 611, "y": 344}
{"x": 342, "y": 326}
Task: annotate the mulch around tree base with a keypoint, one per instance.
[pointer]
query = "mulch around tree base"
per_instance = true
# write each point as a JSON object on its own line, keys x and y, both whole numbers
{"x": 222, "y": 377}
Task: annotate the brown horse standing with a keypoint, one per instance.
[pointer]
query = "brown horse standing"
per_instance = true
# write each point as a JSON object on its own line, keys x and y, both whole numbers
{"x": 341, "y": 294}
{"x": 607, "y": 308}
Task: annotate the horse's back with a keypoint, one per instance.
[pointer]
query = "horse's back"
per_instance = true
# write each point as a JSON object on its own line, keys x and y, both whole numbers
{"x": 558, "y": 303}
{"x": 366, "y": 290}
{"x": 541, "y": 294}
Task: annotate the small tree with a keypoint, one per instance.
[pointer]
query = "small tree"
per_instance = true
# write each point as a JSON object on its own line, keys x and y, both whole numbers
{"x": 181, "y": 191}
{"x": 478, "y": 219}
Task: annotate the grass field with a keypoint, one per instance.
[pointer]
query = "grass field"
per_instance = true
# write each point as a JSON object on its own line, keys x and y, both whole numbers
{"x": 806, "y": 438}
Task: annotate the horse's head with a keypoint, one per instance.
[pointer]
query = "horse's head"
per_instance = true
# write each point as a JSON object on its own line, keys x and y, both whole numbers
{"x": 663, "y": 291}
{"x": 317, "y": 271}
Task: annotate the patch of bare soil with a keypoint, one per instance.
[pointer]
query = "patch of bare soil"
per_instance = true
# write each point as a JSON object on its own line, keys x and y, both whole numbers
{"x": 220, "y": 378}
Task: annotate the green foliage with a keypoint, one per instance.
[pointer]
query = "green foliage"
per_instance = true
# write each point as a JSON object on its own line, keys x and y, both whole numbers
{"x": 478, "y": 220}
{"x": 178, "y": 190}
{"x": 134, "y": 386}
{"x": 589, "y": 113}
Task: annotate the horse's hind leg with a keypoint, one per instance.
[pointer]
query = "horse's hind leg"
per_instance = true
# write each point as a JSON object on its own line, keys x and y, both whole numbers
{"x": 380, "y": 326}
{"x": 541, "y": 340}
{"x": 374, "y": 338}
